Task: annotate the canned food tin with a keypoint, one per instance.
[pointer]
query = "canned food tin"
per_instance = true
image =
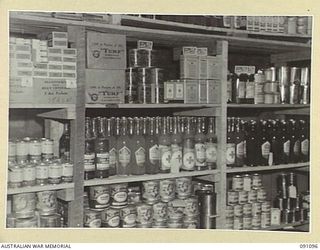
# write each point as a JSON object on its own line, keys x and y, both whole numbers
{"x": 22, "y": 150}
{"x": 238, "y": 210}
{"x": 302, "y": 20}
{"x": 302, "y": 29}
{"x": 142, "y": 58}
{"x": 160, "y": 211}
{"x": 12, "y": 149}
{"x": 47, "y": 149}
{"x": 256, "y": 222}
{"x": 150, "y": 192}
{"x": 23, "y": 205}
{"x": 237, "y": 183}
{"x": 159, "y": 224}
{"x": 110, "y": 217}
{"x": 92, "y": 218}
{"x": 259, "y": 99}
{"x": 47, "y": 202}
{"x": 134, "y": 196}
{"x": 176, "y": 209}
{"x": 268, "y": 98}
{"x": 15, "y": 176}
{"x": 191, "y": 206}
{"x": 144, "y": 214}
{"x": 55, "y": 173}
{"x": 67, "y": 172}
{"x": 191, "y": 222}
{"x": 99, "y": 197}
{"x": 119, "y": 195}
{"x": 247, "y": 209}
{"x": 27, "y": 222}
{"x": 261, "y": 194}
{"x": 247, "y": 182}
{"x": 53, "y": 220}
{"x": 144, "y": 94}
{"x": 243, "y": 197}
{"x": 256, "y": 181}
{"x": 131, "y": 95}
{"x": 252, "y": 196}
{"x": 256, "y": 208}
{"x": 167, "y": 190}
{"x": 258, "y": 88}
{"x": 265, "y": 219}
{"x": 229, "y": 223}
{"x": 128, "y": 216}
{"x": 42, "y": 173}
{"x": 35, "y": 150}
{"x": 271, "y": 87}
{"x": 266, "y": 206}
{"x": 247, "y": 222}
{"x": 229, "y": 211}
{"x": 238, "y": 223}
{"x": 197, "y": 186}
{"x": 175, "y": 223}
{"x": 156, "y": 76}
{"x": 183, "y": 187}
{"x": 233, "y": 197}
{"x": 29, "y": 175}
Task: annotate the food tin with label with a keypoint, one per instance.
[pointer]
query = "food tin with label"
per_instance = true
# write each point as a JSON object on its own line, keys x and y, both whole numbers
{"x": 243, "y": 197}
{"x": 237, "y": 183}
{"x": 247, "y": 222}
{"x": 11, "y": 221}
{"x": 15, "y": 176}
{"x": 22, "y": 151}
{"x": 142, "y": 58}
{"x": 160, "y": 211}
{"x": 119, "y": 195}
{"x": 183, "y": 187}
{"x": 27, "y": 222}
{"x": 131, "y": 94}
{"x": 55, "y": 173}
{"x": 229, "y": 211}
{"x": 256, "y": 208}
{"x": 12, "y": 149}
{"x": 42, "y": 173}
{"x": 268, "y": 98}
{"x": 256, "y": 222}
{"x": 110, "y": 217}
{"x": 247, "y": 182}
{"x": 147, "y": 225}
{"x": 67, "y": 172}
{"x": 53, "y": 220}
{"x": 229, "y": 223}
{"x": 191, "y": 206}
{"x": 247, "y": 209}
{"x": 238, "y": 210}
{"x": 252, "y": 196}
{"x": 233, "y": 197}
{"x": 35, "y": 150}
{"x": 159, "y": 224}
{"x": 191, "y": 222}
{"x": 176, "y": 208}
{"x": 29, "y": 175}
{"x": 265, "y": 219}
{"x": 150, "y": 192}
{"x": 23, "y": 205}
{"x": 238, "y": 223}
{"x": 92, "y": 218}
{"x": 266, "y": 206}
{"x": 144, "y": 213}
{"x": 47, "y": 202}
{"x": 46, "y": 149}
{"x": 256, "y": 181}
{"x": 128, "y": 216}
{"x": 167, "y": 190}
{"x": 261, "y": 194}
{"x": 99, "y": 196}
{"x": 134, "y": 196}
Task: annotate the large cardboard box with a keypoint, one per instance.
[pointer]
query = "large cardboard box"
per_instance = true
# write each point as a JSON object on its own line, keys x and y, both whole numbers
{"x": 106, "y": 51}
{"x": 21, "y": 90}
{"x": 105, "y": 86}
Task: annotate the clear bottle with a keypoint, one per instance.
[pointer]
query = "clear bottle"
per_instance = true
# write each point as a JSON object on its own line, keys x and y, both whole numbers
{"x": 89, "y": 155}
{"x": 231, "y": 147}
{"x": 138, "y": 149}
{"x": 165, "y": 148}
{"x": 123, "y": 149}
{"x": 102, "y": 150}
{"x": 200, "y": 149}
{"x": 211, "y": 145}
{"x": 188, "y": 147}
{"x": 152, "y": 147}
{"x": 64, "y": 144}
{"x": 275, "y": 149}
{"x": 113, "y": 130}
{"x": 176, "y": 146}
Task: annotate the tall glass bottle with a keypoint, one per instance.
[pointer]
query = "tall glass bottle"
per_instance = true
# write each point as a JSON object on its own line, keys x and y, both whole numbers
{"x": 231, "y": 148}
{"x": 102, "y": 150}
{"x": 265, "y": 144}
{"x": 123, "y": 149}
{"x": 304, "y": 138}
{"x": 295, "y": 145}
{"x": 188, "y": 147}
{"x": 138, "y": 148}
{"x": 275, "y": 149}
{"x": 252, "y": 144}
{"x": 152, "y": 147}
{"x": 176, "y": 147}
{"x": 200, "y": 149}
{"x": 165, "y": 148}
{"x": 285, "y": 143}
{"x": 64, "y": 144}
{"x": 89, "y": 155}
{"x": 211, "y": 145}
{"x": 113, "y": 130}
{"x": 239, "y": 145}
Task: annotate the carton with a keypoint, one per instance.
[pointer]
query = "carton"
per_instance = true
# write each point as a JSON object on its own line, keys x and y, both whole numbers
{"x": 21, "y": 90}
{"x": 202, "y": 85}
{"x": 189, "y": 67}
{"x": 214, "y": 67}
{"x": 214, "y": 91}
{"x": 191, "y": 91}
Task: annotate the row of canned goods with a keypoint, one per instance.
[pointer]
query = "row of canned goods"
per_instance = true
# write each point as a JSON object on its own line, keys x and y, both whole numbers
{"x": 246, "y": 182}
{"x": 256, "y": 222}
{"x": 243, "y": 197}
{"x": 50, "y": 172}
{"x": 30, "y": 150}
{"x": 248, "y": 209}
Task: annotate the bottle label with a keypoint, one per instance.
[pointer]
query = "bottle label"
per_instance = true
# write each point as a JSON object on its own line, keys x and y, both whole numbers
{"x": 124, "y": 156}
{"x": 42, "y": 172}
{"x": 230, "y": 154}
{"x": 211, "y": 152}
{"x": 292, "y": 190}
{"x": 89, "y": 162}
{"x": 176, "y": 158}
{"x": 250, "y": 90}
{"x": 154, "y": 154}
{"x": 241, "y": 91}
{"x": 16, "y": 175}
{"x": 240, "y": 150}
{"x": 165, "y": 154}
{"x": 140, "y": 156}
{"x": 200, "y": 154}
{"x": 112, "y": 156}
{"x": 67, "y": 169}
{"x": 188, "y": 158}
{"x": 296, "y": 148}
{"x": 265, "y": 149}
{"x": 55, "y": 171}
{"x": 305, "y": 147}
{"x": 102, "y": 161}
{"x": 286, "y": 147}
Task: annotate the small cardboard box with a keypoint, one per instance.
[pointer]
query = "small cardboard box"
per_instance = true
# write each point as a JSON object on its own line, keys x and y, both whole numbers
{"x": 105, "y": 86}
{"x": 169, "y": 89}
{"x": 191, "y": 91}
{"x": 203, "y": 96}
{"x": 214, "y": 91}
{"x": 106, "y": 51}
{"x": 189, "y": 67}
{"x": 214, "y": 67}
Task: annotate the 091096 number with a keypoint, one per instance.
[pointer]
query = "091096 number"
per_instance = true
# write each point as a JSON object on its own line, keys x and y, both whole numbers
{"x": 312, "y": 246}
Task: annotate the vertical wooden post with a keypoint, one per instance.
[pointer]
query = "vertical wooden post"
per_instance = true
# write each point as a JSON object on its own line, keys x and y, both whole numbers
{"x": 75, "y": 208}
{"x": 221, "y": 186}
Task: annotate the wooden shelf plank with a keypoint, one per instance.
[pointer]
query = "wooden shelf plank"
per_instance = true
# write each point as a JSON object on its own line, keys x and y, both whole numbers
{"x": 284, "y": 226}
{"x": 39, "y": 188}
{"x": 39, "y": 106}
{"x": 66, "y": 113}
{"x": 152, "y": 106}
{"x": 267, "y": 106}
{"x": 131, "y": 178}
{"x": 267, "y": 168}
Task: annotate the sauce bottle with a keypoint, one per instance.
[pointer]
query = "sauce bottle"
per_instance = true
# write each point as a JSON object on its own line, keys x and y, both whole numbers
{"x": 138, "y": 149}
{"x": 101, "y": 150}
{"x": 264, "y": 145}
{"x": 252, "y": 144}
{"x": 165, "y": 148}
{"x": 275, "y": 149}
{"x": 200, "y": 148}
{"x": 113, "y": 130}
{"x": 239, "y": 145}
{"x": 123, "y": 150}
{"x": 285, "y": 142}
{"x": 211, "y": 145}
{"x": 152, "y": 146}
{"x": 304, "y": 138}
{"x": 231, "y": 148}
{"x": 176, "y": 147}
{"x": 64, "y": 143}
{"x": 188, "y": 147}
{"x": 89, "y": 156}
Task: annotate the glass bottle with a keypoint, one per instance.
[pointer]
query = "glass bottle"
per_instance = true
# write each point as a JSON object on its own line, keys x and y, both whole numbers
{"x": 165, "y": 148}
{"x": 264, "y": 145}
{"x": 64, "y": 144}
{"x": 113, "y": 130}
{"x": 285, "y": 142}
{"x": 275, "y": 149}
{"x": 231, "y": 148}
{"x": 152, "y": 147}
{"x": 123, "y": 150}
{"x": 176, "y": 147}
{"x": 304, "y": 138}
{"x": 139, "y": 150}
{"x": 211, "y": 145}
{"x": 89, "y": 155}
{"x": 252, "y": 144}
{"x": 200, "y": 149}
{"x": 102, "y": 150}
{"x": 295, "y": 145}
{"x": 239, "y": 145}
{"x": 188, "y": 147}
{"x": 241, "y": 88}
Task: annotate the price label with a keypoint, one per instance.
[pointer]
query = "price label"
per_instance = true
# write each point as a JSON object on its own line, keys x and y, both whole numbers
{"x": 71, "y": 83}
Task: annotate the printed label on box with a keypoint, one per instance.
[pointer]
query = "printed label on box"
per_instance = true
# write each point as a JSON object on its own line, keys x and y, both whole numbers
{"x": 71, "y": 83}
{"x": 145, "y": 44}
{"x": 243, "y": 69}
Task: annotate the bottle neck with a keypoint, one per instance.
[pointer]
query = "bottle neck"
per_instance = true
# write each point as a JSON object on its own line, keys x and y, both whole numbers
{"x": 109, "y": 127}
{"x": 199, "y": 126}
{"x": 124, "y": 125}
{"x": 137, "y": 127}
{"x": 151, "y": 126}
{"x": 164, "y": 126}
{"x": 211, "y": 128}
{"x": 117, "y": 127}
{"x": 94, "y": 127}
{"x": 101, "y": 127}
{"x": 66, "y": 128}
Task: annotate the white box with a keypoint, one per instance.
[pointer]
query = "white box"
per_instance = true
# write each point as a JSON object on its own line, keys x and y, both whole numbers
{"x": 69, "y": 52}
{"x": 189, "y": 67}
{"x": 54, "y": 66}
{"x": 54, "y": 51}
{"x": 68, "y": 67}
{"x": 68, "y": 60}
{"x": 214, "y": 64}
{"x": 56, "y": 59}
{"x": 202, "y": 51}
{"x": 40, "y": 73}
{"x": 23, "y": 57}
{"x": 203, "y": 67}
{"x": 275, "y": 216}
{"x": 189, "y": 51}
{"x": 55, "y": 74}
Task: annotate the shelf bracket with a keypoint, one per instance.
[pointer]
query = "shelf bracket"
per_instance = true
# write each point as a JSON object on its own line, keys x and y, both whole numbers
{"x": 60, "y": 114}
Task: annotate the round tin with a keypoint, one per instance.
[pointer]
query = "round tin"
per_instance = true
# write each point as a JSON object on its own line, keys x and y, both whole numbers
{"x": 167, "y": 190}
{"x": 53, "y": 220}
{"x": 22, "y": 150}
{"x": 150, "y": 192}
{"x": 247, "y": 209}
{"x": 256, "y": 222}
{"x": 12, "y": 149}
{"x": 256, "y": 181}
{"x": 247, "y": 222}
{"x": 42, "y": 173}
{"x": 27, "y": 222}
{"x": 183, "y": 187}
{"x": 175, "y": 223}
{"x": 15, "y": 176}
{"x": 229, "y": 223}
{"x": 261, "y": 194}
{"x": 238, "y": 223}
{"x": 256, "y": 208}
{"x": 110, "y": 217}
{"x": 252, "y": 196}
{"x": 191, "y": 222}
{"x": 237, "y": 183}
{"x": 46, "y": 149}
{"x": 247, "y": 182}
{"x": 144, "y": 213}
{"x": 119, "y": 195}
{"x": 134, "y": 196}
{"x": 147, "y": 225}
{"x": 176, "y": 209}
{"x": 265, "y": 219}
{"x": 23, "y": 205}
{"x": 55, "y": 173}
{"x": 47, "y": 202}
{"x": 67, "y": 172}
{"x": 266, "y": 206}
{"x": 191, "y": 206}
{"x": 229, "y": 211}
{"x": 268, "y": 98}
{"x": 159, "y": 224}
{"x": 29, "y": 175}
{"x": 160, "y": 211}
{"x": 91, "y": 218}
{"x": 99, "y": 196}
{"x": 128, "y": 216}
{"x": 233, "y": 197}
{"x": 238, "y": 210}
{"x": 35, "y": 150}
{"x": 243, "y": 197}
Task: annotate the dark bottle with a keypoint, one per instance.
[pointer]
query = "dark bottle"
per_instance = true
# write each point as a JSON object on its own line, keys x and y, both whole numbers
{"x": 230, "y": 88}
{"x": 239, "y": 145}
{"x": 211, "y": 145}
{"x": 264, "y": 145}
{"x": 64, "y": 144}
{"x": 292, "y": 190}
{"x": 102, "y": 150}
{"x": 252, "y": 145}
{"x": 285, "y": 142}
{"x": 200, "y": 148}
{"x": 241, "y": 84}
{"x": 165, "y": 148}
{"x": 138, "y": 166}
{"x": 123, "y": 149}
{"x": 282, "y": 186}
{"x": 273, "y": 128}
{"x": 113, "y": 130}
{"x": 89, "y": 155}
{"x": 231, "y": 147}
{"x": 243, "y": 129}
{"x": 152, "y": 147}
{"x": 188, "y": 147}
{"x": 250, "y": 89}
{"x": 295, "y": 145}
{"x": 304, "y": 138}
{"x": 176, "y": 147}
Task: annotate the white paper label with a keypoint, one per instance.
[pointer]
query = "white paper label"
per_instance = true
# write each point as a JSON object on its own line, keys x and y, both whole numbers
{"x": 89, "y": 162}
{"x": 140, "y": 156}
{"x": 29, "y": 174}
{"x": 305, "y": 147}
{"x": 71, "y": 83}
{"x": 292, "y": 192}
{"x": 42, "y": 172}
{"x": 154, "y": 154}
{"x": 176, "y": 158}
{"x": 26, "y": 81}
{"x": 211, "y": 152}
{"x": 165, "y": 153}
{"x": 55, "y": 171}
{"x": 240, "y": 150}
{"x": 200, "y": 154}
{"x": 124, "y": 156}
{"x": 296, "y": 147}
{"x": 102, "y": 161}
{"x": 286, "y": 147}
{"x": 230, "y": 154}
{"x": 188, "y": 159}
{"x": 265, "y": 149}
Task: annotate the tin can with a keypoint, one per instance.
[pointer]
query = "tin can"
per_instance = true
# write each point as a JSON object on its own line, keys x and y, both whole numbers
{"x": 229, "y": 211}
{"x": 191, "y": 222}
{"x": 99, "y": 196}
{"x": 12, "y": 149}
{"x": 167, "y": 190}
{"x": 238, "y": 210}
{"x": 247, "y": 222}
{"x": 147, "y": 225}
{"x": 183, "y": 187}
{"x": 142, "y": 58}
{"x": 67, "y": 172}
{"x": 283, "y": 77}
{"x": 302, "y": 20}
{"x": 156, "y": 76}
{"x": 159, "y": 224}
{"x": 29, "y": 175}
{"x": 247, "y": 209}
{"x": 265, "y": 219}
{"x": 144, "y": 94}
{"x": 243, "y": 197}
{"x": 238, "y": 223}
{"x": 128, "y": 216}
{"x": 27, "y": 222}
{"x": 131, "y": 94}
{"x": 259, "y": 99}
{"x": 23, "y": 205}
{"x": 35, "y": 150}
{"x": 261, "y": 194}
{"x": 15, "y": 176}
{"x": 176, "y": 209}
{"x": 47, "y": 149}
{"x": 42, "y": 173}
{"x": 22, "y": 151}
{"x": 266, "y": 206}
{"x": 134, "y": 196}
{"x": 256, "y": 222}
{"x": 233, "y": 197}
{"x": 144, "y": 214}
{"x": 55, "y": 173}
{"x": 237, "y": 183}
{"x": 92, "y": 218}
{"x": 258, "y": 88}
{"x": 150, "y": 192}
{"x": 276, "y": 98}
{"x": 53, "y": 220}
{"x": 192, "y": 206}
{"x": 160, "y": 211}
{"x": 229, "y": 223}
{"x": 197, "y": 186}
{"x": 256, "y": 181}
{"x": 268, "y": 98}
{"x": 252, "y": 196}
{"x": 119, "y": 195}
{"x": 207, "y": 202}
{"x": 110, "y": 217}
{"x": 47, "y": 202}
{"x": 175, "y": 223}
{"x": 256, "y": 208}
{"x": 302, "y": 29}
{"x": 247, "y": 182}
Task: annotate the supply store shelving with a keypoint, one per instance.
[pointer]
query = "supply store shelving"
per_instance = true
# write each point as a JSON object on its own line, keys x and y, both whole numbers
{"x": 153, "y": 30}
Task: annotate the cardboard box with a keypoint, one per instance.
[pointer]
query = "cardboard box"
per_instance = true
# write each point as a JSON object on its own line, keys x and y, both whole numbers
{"x": 57, "y": 59}
{"x": 214, "y": 91}
{"x": 179, "y": 91}
{"x": 203, "y": 67}
{"x": 58, "y": 40}
{"x": 55, "y": 74}
{"x": 40, "y": 73}
{"x": 21, "y": 90}
{"x": 214, "y": 67}
{"x": 169, "y": 87}
{"x": 54, "y": 66}
{"x": 202, "y": 51}
{"x": 191, "y": 91}
{"x": 58, "y": 43}
{"x": 105, "y": 86}
{"x": 69, "y": 60}
{"x": 54, "y": 52}
{"x": 106, "y": 51}
{"x": 202, "y": 91}
{"x": 189, "y": 67}
{"x": 189, "y": 51}
{"x": 69, "y": 52}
